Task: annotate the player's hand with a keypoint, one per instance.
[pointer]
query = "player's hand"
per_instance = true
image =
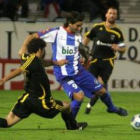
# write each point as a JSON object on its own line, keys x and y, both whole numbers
{"x": 84, "y": 63}
{"x": 82, "y": 60}
{"x": 61, "y": 62}
{"x": 115, "y": 47}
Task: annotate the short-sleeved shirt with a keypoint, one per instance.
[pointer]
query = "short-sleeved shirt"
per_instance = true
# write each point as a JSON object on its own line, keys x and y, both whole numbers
{"x": 37, "y": 97}
{"x": 103, "y": 37}
{"x": 64, "y": 46}
{"x": 36, "y": 80}
{"x": 72, "y": 76}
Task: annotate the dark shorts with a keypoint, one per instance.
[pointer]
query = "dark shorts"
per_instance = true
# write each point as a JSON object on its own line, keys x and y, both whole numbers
{"x": 102, "y": 68}
{"x": 42, "y": 107}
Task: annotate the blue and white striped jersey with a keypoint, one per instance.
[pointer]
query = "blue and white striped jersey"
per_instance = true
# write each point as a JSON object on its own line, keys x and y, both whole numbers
{"x": 64, "y": 46}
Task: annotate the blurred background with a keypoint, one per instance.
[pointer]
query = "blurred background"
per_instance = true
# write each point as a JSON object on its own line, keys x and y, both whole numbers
{"x": 19, "y": 18}
{"x": 53, "y": 9}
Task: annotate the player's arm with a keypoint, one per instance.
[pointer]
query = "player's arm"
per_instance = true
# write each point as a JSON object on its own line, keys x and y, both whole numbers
{"x": 84, "y": 49}
{"x": 89, "y": 35}
{"x": 24, "y": 46}
{"x": 60, "y": 62}
{"x": 120, "y": 45}
{"x": 86, "y": 41}
{"x": 47, "y": 63}
{"x": 117, "y": 47}
{"x": 11, "y": 75}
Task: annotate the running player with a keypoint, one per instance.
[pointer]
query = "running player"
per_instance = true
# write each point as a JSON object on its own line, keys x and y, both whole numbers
{"x": 108, "y": 39}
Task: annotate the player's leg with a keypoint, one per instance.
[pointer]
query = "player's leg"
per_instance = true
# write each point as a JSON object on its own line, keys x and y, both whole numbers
{"x": 75, "y": 94}
{"x": 107, "y": 68}
{"x": 55, "y": 107}
{"x": 93, "y": 69}
{"x": 111, "y": 108}
{"x": 106, "y": 71}
{"x": 76, "y": 102}
{"x": 91, "y": 103}
{"x": 94, "y": 86}
{"x": 68, "y": 118}
{"x": 70, "y": 122}
{"x": 93, "y": 99}
{"x": 10, "y": 120}
{"x": 103, "y": 73}
{"x": 18, "y": 112}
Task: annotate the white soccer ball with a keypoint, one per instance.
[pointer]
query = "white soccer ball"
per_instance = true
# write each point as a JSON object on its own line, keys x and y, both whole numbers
{"x": 135, "y": 122}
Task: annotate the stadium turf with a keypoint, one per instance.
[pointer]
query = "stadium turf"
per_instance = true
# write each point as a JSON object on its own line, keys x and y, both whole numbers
{"x": 102, "y": 125}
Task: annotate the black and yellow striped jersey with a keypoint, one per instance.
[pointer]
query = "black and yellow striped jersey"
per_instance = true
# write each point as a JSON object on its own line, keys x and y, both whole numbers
{"x": 36, "y": 79}
{"x": 103, "y": 37}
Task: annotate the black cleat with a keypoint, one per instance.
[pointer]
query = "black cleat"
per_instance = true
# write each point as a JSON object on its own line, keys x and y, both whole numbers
{"x": 87, "y": 110}
{"x": 119, "y": 111}
{"x": 82, "y": 125}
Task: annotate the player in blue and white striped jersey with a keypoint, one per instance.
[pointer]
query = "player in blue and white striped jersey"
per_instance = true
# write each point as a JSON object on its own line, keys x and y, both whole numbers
{"x": 65, "y": 46}
{"x": 75, "y": 80}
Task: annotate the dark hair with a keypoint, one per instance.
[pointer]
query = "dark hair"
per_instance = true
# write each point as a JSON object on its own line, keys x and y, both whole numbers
{"x": 35, "y": 44}
{"x": 105, "y": 11}
{"x": 73, "y": 17}
{"x": 111, "y": 7}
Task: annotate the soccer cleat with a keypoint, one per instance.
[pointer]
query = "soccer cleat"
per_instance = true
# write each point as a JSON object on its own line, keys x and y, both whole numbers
{"x": 87, "y": 110}
{"x": 81, "y": 125}
{"x": 119, "y": 111}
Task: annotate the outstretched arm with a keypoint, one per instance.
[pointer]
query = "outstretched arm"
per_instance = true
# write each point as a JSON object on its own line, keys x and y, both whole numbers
{"x": 60, "y": 62}
{"x": 24, "y": 46}
{"x": 11, "y": 75}
{"x": 47, "y": 63}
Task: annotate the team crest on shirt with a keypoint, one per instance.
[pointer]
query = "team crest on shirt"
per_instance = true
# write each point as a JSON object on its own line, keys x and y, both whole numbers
{"x": 96, "y": 81}
{"x": 101, "y": 28}
{"x": 112, "y": 37}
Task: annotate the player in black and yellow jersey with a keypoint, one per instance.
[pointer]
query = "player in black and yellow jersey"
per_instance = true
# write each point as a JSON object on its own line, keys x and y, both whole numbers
{"x": 37, "y": 97}
{"x": 108, "y": 39}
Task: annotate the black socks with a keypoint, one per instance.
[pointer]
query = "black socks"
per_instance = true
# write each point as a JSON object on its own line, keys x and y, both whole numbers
{"x": 3, "y": 123}
{"x": 69, "y": 120}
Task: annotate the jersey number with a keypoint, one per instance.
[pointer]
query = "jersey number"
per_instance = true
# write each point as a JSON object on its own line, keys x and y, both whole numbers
{"x": 74, "y": 86}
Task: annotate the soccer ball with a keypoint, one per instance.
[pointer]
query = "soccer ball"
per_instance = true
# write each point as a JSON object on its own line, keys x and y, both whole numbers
{"x": 135, "y": 122}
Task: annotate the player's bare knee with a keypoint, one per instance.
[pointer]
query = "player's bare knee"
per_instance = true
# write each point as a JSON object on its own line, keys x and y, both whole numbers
{"x": 78, "y": 96}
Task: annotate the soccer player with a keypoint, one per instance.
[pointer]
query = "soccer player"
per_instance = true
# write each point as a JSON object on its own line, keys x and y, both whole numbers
{"x": 37, "y": 97}
{"x": 73, "y": 77}
{"x": 108, "y": 39}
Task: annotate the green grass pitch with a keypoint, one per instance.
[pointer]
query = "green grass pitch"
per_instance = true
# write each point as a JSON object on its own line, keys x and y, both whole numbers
{"x": 102, "y": 125}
